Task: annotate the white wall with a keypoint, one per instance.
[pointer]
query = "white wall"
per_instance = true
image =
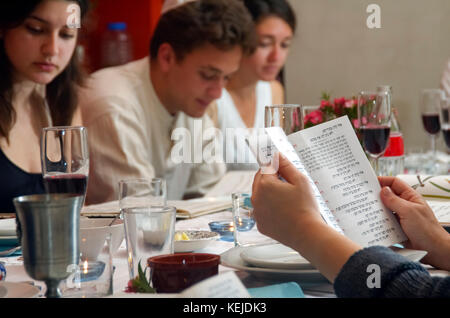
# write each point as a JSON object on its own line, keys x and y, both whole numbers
{"x": 334, "y": 50}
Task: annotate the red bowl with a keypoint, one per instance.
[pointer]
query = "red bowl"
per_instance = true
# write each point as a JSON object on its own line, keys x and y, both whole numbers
{"x": 175, "y": 272}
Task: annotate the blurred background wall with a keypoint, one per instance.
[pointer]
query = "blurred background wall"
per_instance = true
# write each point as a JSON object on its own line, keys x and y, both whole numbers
{"x": 335, "y": 51}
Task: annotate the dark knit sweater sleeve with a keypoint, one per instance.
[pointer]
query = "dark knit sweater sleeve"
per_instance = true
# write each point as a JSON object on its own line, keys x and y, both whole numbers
{"x": 398, "y": 277}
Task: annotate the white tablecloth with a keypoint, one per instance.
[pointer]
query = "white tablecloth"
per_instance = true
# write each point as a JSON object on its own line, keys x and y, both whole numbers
{"x": 16, "y": 271}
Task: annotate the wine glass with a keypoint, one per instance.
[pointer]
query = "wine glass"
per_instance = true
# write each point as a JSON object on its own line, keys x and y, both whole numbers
{"x": 286, "y": 116}
{"x": 430, "y": 106}
{"x": 65, "y": 159}
{"x": 374, "y": 123}
{"x": 445, "y": 120}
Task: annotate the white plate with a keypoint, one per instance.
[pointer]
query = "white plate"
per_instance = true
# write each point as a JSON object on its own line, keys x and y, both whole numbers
{"x": 276, "y": 256}
{"x": 412, "y": 255}
{"x": 232, "y": 258}
{"x": 197, "y": 240}
{"x": 8, "y": 227}
{"x": 18, "y": 290}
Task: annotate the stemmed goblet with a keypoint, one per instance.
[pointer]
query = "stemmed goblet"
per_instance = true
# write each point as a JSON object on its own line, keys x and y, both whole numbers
{"x": 374, "y": 115}
{"x": 65, "y": 159}
{"x": 445, "y": 120}
{"x": 49, "y": 236}
{"x": 430, "y": 105}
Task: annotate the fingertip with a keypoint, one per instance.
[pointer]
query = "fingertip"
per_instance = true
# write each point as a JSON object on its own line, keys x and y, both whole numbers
{"x": 386, "y": 191}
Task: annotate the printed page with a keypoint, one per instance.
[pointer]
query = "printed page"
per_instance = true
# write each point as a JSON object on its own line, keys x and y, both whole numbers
{"x": 334, "y": 158}
{"x": 273, "y": 139}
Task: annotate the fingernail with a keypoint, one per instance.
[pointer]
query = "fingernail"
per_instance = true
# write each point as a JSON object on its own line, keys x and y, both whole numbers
{"x": 386, "y": 191}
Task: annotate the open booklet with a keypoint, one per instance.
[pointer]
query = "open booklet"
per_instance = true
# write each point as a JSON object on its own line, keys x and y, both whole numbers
{"x": 344, "y": 183}
{"x": 185, "y": 208}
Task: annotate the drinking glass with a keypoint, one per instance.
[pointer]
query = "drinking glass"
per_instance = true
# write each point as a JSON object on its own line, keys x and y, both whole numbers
{"x": 92, "y": 277}
{"x": 65, "y": 159}
{"x": 149, "y": 231}
{"x": 142, "y": 193}
{"x": 445, "y": 120}
{"x": 374, "y": 115}
{"x": 245, "y": 232}
{"x": 149, "y": 223}
{"x": 286, "y": 116}
{"x": 430, "y": 105}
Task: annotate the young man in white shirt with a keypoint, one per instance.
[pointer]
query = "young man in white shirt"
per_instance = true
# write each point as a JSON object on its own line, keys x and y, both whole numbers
{"x": 132, "y": 110}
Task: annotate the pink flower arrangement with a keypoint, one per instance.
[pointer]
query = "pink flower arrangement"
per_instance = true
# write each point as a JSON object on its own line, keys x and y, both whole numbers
{"x": 330, "y": 110}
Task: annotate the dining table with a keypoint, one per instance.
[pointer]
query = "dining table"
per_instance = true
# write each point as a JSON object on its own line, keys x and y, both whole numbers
{"x": 311, "y": 283}
{"x": 311, "y": 287}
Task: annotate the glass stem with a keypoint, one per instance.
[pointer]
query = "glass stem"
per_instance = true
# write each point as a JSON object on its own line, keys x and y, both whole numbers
{"x": 376, "y": 166}
{"x": 433, "y": 146}
{"x": 52, "y": 289}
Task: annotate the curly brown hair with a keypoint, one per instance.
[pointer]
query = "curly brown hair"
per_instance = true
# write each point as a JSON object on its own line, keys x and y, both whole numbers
{"x": 222, "y": 23}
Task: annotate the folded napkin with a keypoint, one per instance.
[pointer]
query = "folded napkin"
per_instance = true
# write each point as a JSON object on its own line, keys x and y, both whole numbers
{"x": 8, "y": 227}
{"x": 429, "y": 186}
{"x": 285, "y": 290}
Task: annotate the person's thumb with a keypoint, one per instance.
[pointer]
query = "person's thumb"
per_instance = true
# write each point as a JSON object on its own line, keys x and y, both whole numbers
{"x": 287, "y": 170}
{"x": 392, "y": 201}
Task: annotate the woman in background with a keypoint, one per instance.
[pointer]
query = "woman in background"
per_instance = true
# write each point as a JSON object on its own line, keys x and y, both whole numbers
{"x": 254, "y": 85}
{"x": 38, "y": 86}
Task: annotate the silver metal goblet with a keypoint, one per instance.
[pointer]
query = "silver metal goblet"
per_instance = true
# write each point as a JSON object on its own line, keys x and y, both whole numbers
{"x": 48, "y": 230}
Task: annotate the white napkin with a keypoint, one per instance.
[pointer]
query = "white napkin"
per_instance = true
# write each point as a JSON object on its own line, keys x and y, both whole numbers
{"x": 8, "y": 227}
{"x": 429, "y": 186}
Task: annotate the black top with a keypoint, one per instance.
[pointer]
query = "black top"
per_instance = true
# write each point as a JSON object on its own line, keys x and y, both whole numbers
{"x": 393, "y": 276}
{"x": 15, "y": 182}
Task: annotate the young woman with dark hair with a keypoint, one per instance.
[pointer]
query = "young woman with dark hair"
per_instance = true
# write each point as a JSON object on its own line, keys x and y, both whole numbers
{"x": 38, "y": 86}
{"x": 255, "y": 84}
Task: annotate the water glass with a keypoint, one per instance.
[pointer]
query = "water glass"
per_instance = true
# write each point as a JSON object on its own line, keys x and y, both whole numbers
{"x": 245, "y": 232}
{"x": 92, "y": 277}
{"x": 142, "y": 193}
{"x": 149, "y": 231}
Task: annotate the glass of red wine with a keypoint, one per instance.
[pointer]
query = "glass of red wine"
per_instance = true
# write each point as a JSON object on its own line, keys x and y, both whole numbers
{"x": 65, "y": 159}
{"x": 374, "y": 123}
{"x": 445, "y": 120}
{"x": 430, "y": 105}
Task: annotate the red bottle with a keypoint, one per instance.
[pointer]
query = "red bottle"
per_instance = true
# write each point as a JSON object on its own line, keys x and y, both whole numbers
{"x": 393, "y": 161}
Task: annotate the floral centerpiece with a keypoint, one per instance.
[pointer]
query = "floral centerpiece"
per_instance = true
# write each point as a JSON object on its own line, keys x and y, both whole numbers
{"x": 329, "y": 110}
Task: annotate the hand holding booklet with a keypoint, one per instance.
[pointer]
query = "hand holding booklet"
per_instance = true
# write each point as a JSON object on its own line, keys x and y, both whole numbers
{"x": 344, "y": 183}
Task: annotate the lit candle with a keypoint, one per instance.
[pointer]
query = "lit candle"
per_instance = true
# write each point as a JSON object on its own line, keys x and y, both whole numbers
{"x": 85, "y": 267}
